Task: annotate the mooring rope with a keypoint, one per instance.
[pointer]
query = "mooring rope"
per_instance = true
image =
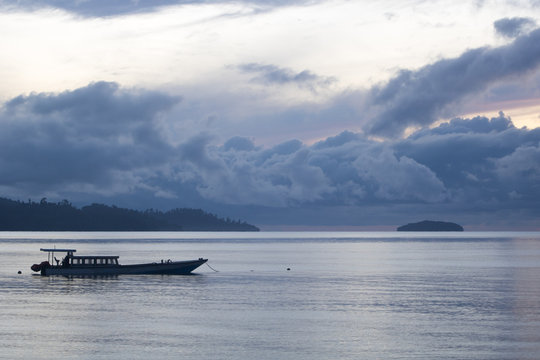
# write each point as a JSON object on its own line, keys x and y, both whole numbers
{"x": 207, "y": 264}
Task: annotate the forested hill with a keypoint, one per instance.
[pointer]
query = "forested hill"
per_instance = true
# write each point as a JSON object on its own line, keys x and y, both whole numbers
{"x": 63, "y": 216}
{"x": 428, "y": 225}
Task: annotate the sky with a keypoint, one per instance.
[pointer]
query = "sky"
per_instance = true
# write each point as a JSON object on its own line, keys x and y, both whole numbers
{"x": 290, "y": 115}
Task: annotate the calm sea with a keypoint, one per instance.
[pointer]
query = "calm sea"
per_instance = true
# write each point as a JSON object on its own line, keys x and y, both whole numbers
{"x": 278, "y": 296}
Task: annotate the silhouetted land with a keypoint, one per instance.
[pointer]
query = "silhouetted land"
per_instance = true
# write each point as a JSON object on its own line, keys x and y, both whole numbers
{"x": 63, "y": 216}
{"x": 428, "y": 225}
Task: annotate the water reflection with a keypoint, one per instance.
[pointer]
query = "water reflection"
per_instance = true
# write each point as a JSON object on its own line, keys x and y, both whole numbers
{"x": 347, "y": 300}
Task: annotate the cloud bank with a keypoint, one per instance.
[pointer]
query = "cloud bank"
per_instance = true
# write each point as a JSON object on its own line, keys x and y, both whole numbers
{"x": 96, "y": 138}
{"x": 421, "y": 97}
{"x": 455, "y": 162}
{"x": 106, "y": 140}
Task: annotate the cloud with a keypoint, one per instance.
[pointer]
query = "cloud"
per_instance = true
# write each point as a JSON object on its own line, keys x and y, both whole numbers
{"x": 103, "y": 141}
{"x": 104, "y": 8}
{"x": 464, "y": 164}
{"x": 239, "y": 143}
{"x": 472, "y": 158}
{"x": 97, "y": 138}
{"x": 513, "y": 27}
{"x": 345, "y": 169}
{"x": 519, "y": 172}
{"x": 94, "y": 8}
{"x": 100, "y": 109}
{"x": 271, "y": 74}
{"x": 421, "y": 97}
{"x": 274, "y": 177}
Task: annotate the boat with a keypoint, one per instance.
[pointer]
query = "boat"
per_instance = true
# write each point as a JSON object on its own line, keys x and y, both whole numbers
{"x": 73, "y": 265}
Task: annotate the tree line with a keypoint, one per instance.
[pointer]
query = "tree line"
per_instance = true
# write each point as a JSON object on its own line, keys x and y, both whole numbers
{"x": 63, "y": 216}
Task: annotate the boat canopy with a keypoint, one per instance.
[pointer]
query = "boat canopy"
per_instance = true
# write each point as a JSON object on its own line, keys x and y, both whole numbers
{"x": 59, "y": 250}
{"x": 92, "y": 260}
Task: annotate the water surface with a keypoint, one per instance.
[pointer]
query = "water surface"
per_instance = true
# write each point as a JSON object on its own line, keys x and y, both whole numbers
{"x": 346, "y": 295}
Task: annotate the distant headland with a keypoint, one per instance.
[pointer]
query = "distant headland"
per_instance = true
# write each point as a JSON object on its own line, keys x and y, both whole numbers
{"x": 62, "y": 216}
{"x": 428, "y": 225}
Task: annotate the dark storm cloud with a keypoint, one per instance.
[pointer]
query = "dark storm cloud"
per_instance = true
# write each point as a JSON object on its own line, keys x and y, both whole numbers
{"x": 512, "y": 27}
{"x": 271, "y": 74}
{"x": 106, "y": 141}
{"x": 347, "y": 169}
{"x": 275, "y": 177}
{"x": 88, "y": 137}
{"x": 519, "y": 173}
{"x": 103, "y": 8}
{"x": 420, "y": 97}
{"x": 239, "y": 143}
{"x": 100, "y": 109}
{"x": 519, "y": 89}
{"x": 466, "y": 164}
{"x": 473, "y": 158}
{"x": 472, "y": 171}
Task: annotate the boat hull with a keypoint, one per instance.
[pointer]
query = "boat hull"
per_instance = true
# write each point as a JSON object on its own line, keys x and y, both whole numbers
{"x": 166, "y": 268}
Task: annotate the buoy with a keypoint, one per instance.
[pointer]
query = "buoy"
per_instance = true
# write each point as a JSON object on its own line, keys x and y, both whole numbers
{"x": 288, "y": 269}
{"x": 19, "y": 272}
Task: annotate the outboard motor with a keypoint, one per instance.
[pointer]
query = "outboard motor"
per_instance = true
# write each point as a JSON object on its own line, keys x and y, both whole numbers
{"x": 38, "y": 267}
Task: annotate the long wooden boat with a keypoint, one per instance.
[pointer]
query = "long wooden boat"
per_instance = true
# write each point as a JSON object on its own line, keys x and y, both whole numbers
{"x": 72, "y": 265}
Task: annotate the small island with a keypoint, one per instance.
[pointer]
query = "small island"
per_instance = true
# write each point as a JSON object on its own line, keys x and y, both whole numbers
{"x": 428, "y": 225}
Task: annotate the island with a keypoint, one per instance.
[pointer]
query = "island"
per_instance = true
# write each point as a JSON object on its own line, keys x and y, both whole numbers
{"x": 428, "y": 225}
{"x": 63, "y": 216}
